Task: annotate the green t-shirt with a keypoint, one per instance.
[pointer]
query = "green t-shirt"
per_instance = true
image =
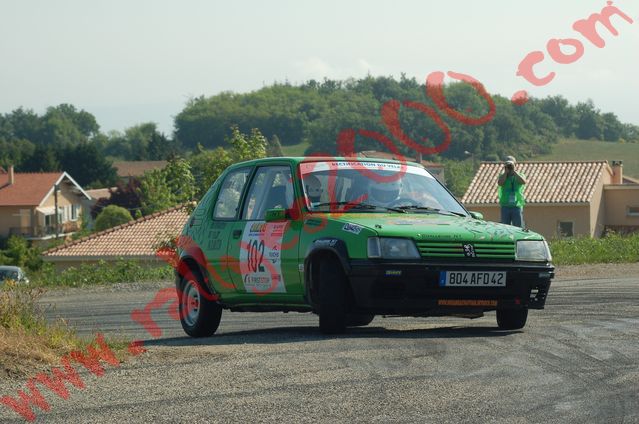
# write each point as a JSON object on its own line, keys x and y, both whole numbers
{"x": 512, "y": 192}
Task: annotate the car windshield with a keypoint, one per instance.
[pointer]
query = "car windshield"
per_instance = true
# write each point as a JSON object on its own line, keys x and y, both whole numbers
{"x": 8, "y": 274}
{"x": 374, "y": 187}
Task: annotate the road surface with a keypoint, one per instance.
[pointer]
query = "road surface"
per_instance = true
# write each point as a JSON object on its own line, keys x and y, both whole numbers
{"x": 576, "y": 361}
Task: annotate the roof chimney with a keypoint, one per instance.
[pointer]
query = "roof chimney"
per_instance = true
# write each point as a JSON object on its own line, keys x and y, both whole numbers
{"x": 12, "y": 177}
{"x": 617, "y": 172}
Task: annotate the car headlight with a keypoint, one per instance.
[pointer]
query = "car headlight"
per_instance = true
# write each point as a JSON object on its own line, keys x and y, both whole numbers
{"x": 533, "y": 250}
{"x": 392, "y": 248}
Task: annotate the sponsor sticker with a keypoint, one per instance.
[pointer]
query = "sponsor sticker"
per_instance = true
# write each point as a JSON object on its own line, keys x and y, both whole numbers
{"x": 260, "y": 262}
{"x": 352, "y": 228}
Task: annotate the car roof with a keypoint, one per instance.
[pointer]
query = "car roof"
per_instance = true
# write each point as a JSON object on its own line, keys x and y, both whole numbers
{"x": 299, "y": 159}
{"x": 9, "y": 268}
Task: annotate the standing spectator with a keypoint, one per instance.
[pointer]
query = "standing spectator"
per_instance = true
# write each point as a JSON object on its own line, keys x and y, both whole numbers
{"x": 511, "y": 194}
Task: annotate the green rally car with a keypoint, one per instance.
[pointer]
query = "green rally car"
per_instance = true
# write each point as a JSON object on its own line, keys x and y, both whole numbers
{"x": 349, "y": 239}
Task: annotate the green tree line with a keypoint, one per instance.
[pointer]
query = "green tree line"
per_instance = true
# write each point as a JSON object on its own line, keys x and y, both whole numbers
{"x": 315, "y": 112}
{"x": 69, "y": 139}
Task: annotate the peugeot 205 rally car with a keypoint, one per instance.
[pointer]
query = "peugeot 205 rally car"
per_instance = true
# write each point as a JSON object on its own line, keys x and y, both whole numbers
{"x": 349, "y": 239}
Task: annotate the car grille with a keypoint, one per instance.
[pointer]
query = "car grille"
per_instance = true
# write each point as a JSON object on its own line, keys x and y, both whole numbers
{"x": 455, "y": 249}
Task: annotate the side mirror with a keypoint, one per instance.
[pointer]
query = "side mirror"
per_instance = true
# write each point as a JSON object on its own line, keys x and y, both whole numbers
{"x": 477, "y": 215}
{"x": 273, "y": 215}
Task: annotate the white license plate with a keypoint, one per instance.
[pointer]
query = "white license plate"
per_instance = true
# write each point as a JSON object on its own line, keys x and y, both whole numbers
{"x": 472, "y": 279}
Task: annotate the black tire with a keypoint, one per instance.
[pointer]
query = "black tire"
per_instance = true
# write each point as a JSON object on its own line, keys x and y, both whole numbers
{"x": 333, "y": 301}
{"x": 359, "y": 320}
{"x": 199, "y": 316}
{"x": 512, "y": 319}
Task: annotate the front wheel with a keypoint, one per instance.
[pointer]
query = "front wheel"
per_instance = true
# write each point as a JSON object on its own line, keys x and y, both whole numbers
{"x": 333, "y": 300}
{"x": 359, "y": 320}
{"x": 511, "y": 319}
{"x": 199, "y": 316}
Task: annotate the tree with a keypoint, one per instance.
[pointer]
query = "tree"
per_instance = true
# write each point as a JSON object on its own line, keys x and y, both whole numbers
{"x": 126, "y": 195}
{"x": 590, "y": 124}
{"x": 88, "y": 166}
{"x": 612, "y": 128}
{"x": 161, "y": 189}
{"x": 43, "y": 159}
{"x": 111, "y": 216}
{"x": 207, "y": 165}
{"x": 25, "y": 125}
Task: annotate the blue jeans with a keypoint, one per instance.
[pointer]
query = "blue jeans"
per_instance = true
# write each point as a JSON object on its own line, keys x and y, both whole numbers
{"x": 512, "y": 215}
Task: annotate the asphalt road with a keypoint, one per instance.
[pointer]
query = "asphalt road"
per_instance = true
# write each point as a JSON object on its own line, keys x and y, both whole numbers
{"x": 576, "y": 361}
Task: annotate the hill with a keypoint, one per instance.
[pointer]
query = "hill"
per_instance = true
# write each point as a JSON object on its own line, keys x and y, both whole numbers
{"x": 574, "y": 149}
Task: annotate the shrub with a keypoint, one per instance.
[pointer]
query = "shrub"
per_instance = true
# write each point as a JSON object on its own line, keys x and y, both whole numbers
{"x": 111, "y": 216}
{"x": 613, "y": 248}
{"x": 122, "y": 271}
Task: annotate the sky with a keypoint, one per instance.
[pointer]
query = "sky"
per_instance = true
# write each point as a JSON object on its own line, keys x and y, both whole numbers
{"x": 129, "y": 62}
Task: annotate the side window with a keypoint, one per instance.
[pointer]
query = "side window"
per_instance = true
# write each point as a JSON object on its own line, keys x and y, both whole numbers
{"x": 270, "y": 189}
{"x": 228, "y": 200}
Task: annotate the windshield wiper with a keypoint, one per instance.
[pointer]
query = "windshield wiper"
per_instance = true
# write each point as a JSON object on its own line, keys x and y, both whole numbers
{"x": 356, "y": 205}
{"x": 428, "y": 208}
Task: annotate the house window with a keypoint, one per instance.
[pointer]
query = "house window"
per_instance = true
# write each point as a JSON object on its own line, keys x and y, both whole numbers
{"x": 75, "y": 210}
{"x": 633, "y": 211}
{"x": 565, "y": 229}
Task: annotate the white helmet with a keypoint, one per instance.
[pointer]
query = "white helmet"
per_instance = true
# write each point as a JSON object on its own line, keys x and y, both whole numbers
{"x": 313, "y": 187}
{"x": 384, "y": 193}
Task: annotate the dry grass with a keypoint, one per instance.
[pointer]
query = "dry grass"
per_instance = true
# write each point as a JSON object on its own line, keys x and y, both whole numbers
{"x": 27, "y": 341}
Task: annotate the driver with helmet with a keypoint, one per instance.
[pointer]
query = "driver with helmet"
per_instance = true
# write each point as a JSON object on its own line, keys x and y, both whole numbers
{"x": 383, "y": 193}
{"x": 313, "y": 188}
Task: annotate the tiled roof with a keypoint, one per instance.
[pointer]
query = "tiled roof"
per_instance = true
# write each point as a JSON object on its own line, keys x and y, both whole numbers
{"x": 100, "y": 193}
{"x": 547, "y": 182}
{"x": 139, "y": 238}
{"x": 28, "y": 189}
{"x": 137, "y": 168}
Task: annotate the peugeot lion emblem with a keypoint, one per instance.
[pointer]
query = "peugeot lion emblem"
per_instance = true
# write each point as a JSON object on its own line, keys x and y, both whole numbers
{"x": 469, "y": 251}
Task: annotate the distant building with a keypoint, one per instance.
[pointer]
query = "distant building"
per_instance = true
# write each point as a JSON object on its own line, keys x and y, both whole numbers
{"x": 128, "y": 169}
{"x": 136, "y": 240}
{"x": 564, "y": 199}
{"x": 437, "y": 169}
{"x": 28, "y": 204}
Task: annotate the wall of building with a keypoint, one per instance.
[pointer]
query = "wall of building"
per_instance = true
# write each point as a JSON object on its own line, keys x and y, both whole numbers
{"x": 13, "y": 217}
{"x": 544, "y": 219}
{"x": 598, "y": 209}
{"x": 618, "y": 198}
{"x": 66, "y": 197}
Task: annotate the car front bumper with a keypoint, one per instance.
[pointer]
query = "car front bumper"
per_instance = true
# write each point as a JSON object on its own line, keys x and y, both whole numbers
{"x": 412, "y": 288}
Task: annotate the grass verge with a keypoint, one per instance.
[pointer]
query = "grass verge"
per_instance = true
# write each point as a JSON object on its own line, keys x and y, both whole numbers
{"x": 122, "y": 271}
{"x": 27, "y": 341}
{"x": 613, "y": 248}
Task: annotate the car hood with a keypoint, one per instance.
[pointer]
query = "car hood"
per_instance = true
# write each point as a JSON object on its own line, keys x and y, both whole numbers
{"x": 437, "y": 227}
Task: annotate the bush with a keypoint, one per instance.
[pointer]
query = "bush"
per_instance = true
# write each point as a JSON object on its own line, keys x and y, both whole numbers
{"x": 111, "y": 216}
{"x": 122, "y": 271}
{"x": 19, "y": 253}
{"x": 613, "y": 248}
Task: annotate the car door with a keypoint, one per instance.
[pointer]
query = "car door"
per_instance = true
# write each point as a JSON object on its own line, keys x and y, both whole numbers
{"x": 217, "y": 227}
{"x": 267, "y": 251}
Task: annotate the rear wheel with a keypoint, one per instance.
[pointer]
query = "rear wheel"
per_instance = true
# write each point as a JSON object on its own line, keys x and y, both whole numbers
{"x": 199, "y": 316}
{"x": 333, "y": 301}
{"x": 512, "y": 319}
{"x": 359, "y": 320}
